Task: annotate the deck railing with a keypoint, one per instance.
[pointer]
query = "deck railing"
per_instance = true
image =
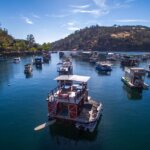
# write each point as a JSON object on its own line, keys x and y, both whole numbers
{"x": 56, "y": 94}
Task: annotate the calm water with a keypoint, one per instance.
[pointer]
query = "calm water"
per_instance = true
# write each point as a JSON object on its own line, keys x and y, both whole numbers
{"x": 124, "y": 125}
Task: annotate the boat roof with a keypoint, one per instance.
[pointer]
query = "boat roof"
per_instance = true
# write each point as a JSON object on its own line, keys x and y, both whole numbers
{"x": 135, "y": 68}
{"x": 27, "y": 64}
{"x": 86, "y": 52}
{"x": 104, "y": 63}
{"x": 78, "y": 78}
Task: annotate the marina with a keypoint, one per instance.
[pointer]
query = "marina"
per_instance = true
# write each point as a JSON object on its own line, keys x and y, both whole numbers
{"x": 24, "y": 98}
{"x": 74, "y": 75}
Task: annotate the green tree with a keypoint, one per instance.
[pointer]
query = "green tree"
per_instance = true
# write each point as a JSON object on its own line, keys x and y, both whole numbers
{"x": 19, "y": 45}
{"x": 32, "y": 49}
{"x": 31, "y": 40}
{"x": 46, "y": 46}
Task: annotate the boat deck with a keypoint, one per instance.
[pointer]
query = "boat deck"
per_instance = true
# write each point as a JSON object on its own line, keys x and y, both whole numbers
{"x": 89, "y": 113}
{"x": 69, "y": 94}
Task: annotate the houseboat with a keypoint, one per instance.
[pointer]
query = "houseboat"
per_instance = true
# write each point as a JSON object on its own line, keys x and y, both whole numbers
{"x": 129, "y": 61}
{"x": 85, "y": 55}
{"x": 61, "y": 54}
{"x": 112, "y": 57}
{"x": 103, "y": 67}
{"x": 46, "y": 57}
{"x": 69, "y": 102}
{"x": 28, "y": 69}
{"x": 134, "y": 78}
{"x": 93, "y": 60}
{"x": 65, "y": 67}
{"x": 148, "y": 70}
{"x": 38, "y": 61}
{"x": 74, "y": 54}
{"x": 16, "y": 60}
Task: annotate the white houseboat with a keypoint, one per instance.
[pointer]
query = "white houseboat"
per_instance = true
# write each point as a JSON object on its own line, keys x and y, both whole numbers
{"x": 16, "y": 60}
{"x": 65, "y": 67}
{"x": 134, "y": 78}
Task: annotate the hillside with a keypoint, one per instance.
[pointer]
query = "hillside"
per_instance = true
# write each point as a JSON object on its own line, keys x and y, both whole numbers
{"x": 114, "y": 38}
{"x": 5, "y": 39}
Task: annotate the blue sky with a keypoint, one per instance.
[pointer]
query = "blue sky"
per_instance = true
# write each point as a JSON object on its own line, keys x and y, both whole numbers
{"x": 51, "y": 20}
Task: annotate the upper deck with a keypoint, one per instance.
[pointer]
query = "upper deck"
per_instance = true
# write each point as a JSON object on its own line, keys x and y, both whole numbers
{"x": 70, "y": 92}
{"x": 135, "y": 70}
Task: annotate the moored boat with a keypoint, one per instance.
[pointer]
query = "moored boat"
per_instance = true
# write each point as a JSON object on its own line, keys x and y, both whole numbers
{"x": 93, "y": 59}
{"x": 61, "y": 54}
{"x": 86, "y": 55}
{"x": 28, "y": 69}
{"x": 69, "y": 102}
{"x": 134, "y": 78}
{"x": 65, "y": 67}
{"x": 112, "y": 57}
{"x": 148, "y": 70}
{"x": 129, "y": 61}
{"x": 46, "y": 57}
{"x": 38, "y": 61}
{"x": 103, "y": 66}
{"x": 16, "y": 60}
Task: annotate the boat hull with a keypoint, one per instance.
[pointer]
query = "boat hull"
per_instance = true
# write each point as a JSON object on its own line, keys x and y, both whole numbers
{"x": 80, "y": 124}
{"x": 103, "y": 69}
{"x": 128, "y": 83}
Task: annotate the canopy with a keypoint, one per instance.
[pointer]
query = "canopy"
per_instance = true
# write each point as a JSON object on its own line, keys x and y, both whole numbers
{"x": 135, "y": 70}
{"x": 73, "y": 78}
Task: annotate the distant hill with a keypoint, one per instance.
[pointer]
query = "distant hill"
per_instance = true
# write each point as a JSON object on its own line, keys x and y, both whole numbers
{"x": 114, "y": 38}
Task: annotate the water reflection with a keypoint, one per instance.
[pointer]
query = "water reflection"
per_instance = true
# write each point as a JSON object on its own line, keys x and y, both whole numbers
{"x": 6, "y": 72}
{"x": 29, "y": 75}
{"x": 38, "y": 67}
{"x": 104, "y": 73}
{"x": 133, "y": 94}
{"x": 66, "y": 133}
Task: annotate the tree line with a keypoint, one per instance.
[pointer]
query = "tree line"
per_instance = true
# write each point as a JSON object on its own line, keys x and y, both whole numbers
{"x": 9, "y": 43}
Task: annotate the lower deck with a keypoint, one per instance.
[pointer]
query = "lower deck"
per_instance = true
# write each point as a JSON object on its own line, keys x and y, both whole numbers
{"x": 90, "y": 112}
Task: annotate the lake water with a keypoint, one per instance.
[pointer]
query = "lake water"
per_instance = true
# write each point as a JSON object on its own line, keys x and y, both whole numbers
{"x": 125, "y": 123}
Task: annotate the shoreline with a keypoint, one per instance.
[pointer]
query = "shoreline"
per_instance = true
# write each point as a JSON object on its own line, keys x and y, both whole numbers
{"x": 22, "y": 53}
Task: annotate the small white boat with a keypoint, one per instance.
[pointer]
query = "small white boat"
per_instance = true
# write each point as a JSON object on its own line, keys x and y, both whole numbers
{"x": 16, "y": 60}
{"x": 103, "y": 66}
{"x": 65, "y": 67}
